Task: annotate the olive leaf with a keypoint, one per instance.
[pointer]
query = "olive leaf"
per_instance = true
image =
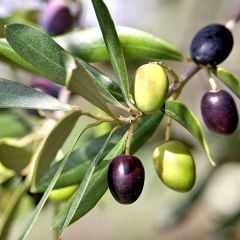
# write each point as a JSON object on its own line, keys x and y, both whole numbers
{"x": 16, "y": 95}
{"x": 180, "y": 113}
{"x": 113, "y": 47}
{"x": 87, "y": 82}
{"x": 89, "y": 45}
{"x": 41, "y": 51}
{"x": 14, "y": 155}
{"x": 98, "y": 184}
{"x": 50, "y": 147}
{"x": 228, "y": 79}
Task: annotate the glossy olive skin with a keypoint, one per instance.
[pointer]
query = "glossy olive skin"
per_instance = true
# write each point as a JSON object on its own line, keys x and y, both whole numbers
{"x": 150, "y": 87}
{"x": 175, "y": 165}
{"x": 126, "y": 178}
{"x": 219, "y": 112}
{"x": 56, "y": 17}
{"x": 211, "y": 45}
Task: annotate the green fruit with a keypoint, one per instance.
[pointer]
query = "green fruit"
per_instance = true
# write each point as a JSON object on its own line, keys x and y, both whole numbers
{"x": 150, "y": 87}
{"x": 62, "y": 194}
{"x": 175, "y": 165}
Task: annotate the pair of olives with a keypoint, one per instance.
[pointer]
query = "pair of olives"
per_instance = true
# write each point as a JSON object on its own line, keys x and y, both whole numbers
{"x": 174, "y": 165}
{"x": 211, "y": 46}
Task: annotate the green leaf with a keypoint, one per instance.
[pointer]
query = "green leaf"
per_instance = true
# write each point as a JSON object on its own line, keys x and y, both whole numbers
{"x": 52, "y": 144}
{"x": 41, "y": 51}
{"x": 113, "y": 47}
{"x": 180, "y": 113}
{"x": 79, "y": 162}
{"x": 87, "y": 82}
{"x": 229, "y": 80}
{"x": 46, "y": 194}
{"x": 16, "y": 95}
{"x": 98, "y": 184}
{"x": 80, "y": 193}
{"x": 89, "y": 45}
{"x": 8, "y": 53}
{"x": 14, "y": 155}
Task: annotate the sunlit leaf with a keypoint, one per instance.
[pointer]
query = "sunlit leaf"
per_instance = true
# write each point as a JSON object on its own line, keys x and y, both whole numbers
{"x": 137, "y": 45}
{"x": 52, "y": 144}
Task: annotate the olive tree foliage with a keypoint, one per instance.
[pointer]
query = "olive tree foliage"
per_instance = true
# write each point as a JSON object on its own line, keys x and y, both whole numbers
{"x": 53, "y": 157}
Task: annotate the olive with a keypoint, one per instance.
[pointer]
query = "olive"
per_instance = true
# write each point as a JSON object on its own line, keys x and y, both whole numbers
{"x": 62, "y": 194}
{"x": 219, "y": 112}
{"x": 46, "y": 86}
{"x": 126, "y": 178}
{"x": 150, "y": 87}
{"x": 56, "y": 17}
{"x": 175, "y": 165}
{"x": 211, "y": 45}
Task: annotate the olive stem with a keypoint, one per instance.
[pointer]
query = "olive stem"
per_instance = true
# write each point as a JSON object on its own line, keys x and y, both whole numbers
{"x": 170, "y": 71}
{"x": 131, "y": 131}
{"x": 168, "y": 129}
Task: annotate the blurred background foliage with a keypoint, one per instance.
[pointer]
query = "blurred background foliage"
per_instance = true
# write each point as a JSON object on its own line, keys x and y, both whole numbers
{"x": 160, "y": 213}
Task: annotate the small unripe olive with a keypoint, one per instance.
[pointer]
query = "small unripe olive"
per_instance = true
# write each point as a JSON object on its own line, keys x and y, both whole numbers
{"x": 62, "y": 194}
{"x": 175, "y": 165}
{"x": 150, "y": 87}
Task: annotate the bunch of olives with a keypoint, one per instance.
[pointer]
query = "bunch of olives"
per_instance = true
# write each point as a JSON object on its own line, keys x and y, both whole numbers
{"x": 173, "y": 161}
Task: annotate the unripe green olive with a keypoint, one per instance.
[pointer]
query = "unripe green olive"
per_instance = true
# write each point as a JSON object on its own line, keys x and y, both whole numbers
{"x": 150, "y": 87}
{"x": 62, "y": 194}
{"x": 175, "y": 165}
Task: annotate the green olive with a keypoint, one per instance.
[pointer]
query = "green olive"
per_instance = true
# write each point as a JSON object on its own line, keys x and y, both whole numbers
{"x": 175, "y": 165}
{"x": 150, "y": 87}
{"x": 62, "y": 194}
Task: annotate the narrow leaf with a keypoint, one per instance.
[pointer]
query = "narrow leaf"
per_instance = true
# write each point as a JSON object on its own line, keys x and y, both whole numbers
{"x": 79, "y": 162}
{"x": 16, "y": 95}
{"x": 113, "y": 46}
{"x": 46, "y": 194}
{"x": 232, "y": 82}
{"x": 39, "y": 49}
{"x": 52, "y": 144}
{"x": 89, "y": 45}
{"x": 78, "y": 196}
{"x": 98, "y": 185}
{"x": 180, "y": 113}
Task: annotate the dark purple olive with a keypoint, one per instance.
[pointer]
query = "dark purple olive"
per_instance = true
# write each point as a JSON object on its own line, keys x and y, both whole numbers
{"x": 56, "y": 18}
{"x": 46, "y": 86}
{"x": 126, "y": 178}
{"x": 219, "y": 112}
{"x": 211, "y": 45}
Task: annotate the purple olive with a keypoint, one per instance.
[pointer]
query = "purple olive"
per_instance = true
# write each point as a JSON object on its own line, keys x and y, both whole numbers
{"x": 46, "y": 86}
{"x": 126, "y": 178}
{"x": 211, "y": 45}
{"x": 219, "y": 112}
{"x": 56, "y": 18}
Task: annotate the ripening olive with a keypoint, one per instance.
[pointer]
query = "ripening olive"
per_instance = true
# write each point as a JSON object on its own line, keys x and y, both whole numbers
{"x": 126, "y": 178}
{"x": 56, "y": 18}
{"x": 219, "y": 112}
{"x": 211, "y": 45}
{"x": 150, "y": 87}
{"x": 175, "y": 165}
{"x": 62, "y": 194}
